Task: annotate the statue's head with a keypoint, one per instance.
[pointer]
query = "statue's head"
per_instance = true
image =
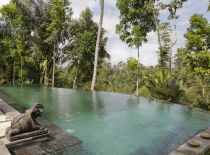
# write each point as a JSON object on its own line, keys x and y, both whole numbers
{"x": 36, "y": 110}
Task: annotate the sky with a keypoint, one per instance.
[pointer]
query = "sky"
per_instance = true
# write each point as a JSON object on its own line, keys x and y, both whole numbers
{"x": 118, "y": 50}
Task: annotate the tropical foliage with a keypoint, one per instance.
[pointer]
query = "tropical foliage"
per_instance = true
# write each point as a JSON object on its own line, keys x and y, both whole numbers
{"x": 164, "y": 87}
{"x": 42, "y": 43}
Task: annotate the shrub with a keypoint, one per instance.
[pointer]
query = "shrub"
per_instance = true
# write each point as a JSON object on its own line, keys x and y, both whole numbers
{"x": 164, "y": 87}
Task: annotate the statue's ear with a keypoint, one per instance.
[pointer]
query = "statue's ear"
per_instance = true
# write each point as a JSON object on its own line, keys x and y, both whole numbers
{"x": 37, "y": 105}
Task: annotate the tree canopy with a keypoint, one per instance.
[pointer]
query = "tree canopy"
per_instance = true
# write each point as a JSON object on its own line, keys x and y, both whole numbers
{"x": 196, "y": 53}
{"x": 42, "y": 43}
{"x": 136, "y": 21}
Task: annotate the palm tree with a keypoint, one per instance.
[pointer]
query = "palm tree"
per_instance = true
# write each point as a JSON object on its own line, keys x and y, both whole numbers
{"x": 97, "y": 45}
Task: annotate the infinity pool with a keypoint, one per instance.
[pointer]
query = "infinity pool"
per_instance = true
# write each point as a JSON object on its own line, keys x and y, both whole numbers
{"x": 113, "y": 124}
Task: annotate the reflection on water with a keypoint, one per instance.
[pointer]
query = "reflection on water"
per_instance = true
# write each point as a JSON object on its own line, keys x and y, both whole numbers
{"x": 111, "y": 123}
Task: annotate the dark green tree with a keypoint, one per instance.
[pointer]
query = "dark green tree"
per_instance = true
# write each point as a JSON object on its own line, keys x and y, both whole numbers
{"x": 137, "y": 19}
{"x": 60, "y": 15}
{"x": 209, "y": 6}
{"x": 196, "y": 53}
{"x": 36, "y": 10}
{"x": 173, "y": 7}
{"x": 17, "y": 37}
{"x": 158, "y": 7}
{"x": 165, "y": 41}
{"x": 81, "y": 51}
{"x": 44, "y": 16}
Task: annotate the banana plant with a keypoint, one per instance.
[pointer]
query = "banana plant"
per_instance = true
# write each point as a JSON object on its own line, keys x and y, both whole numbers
{"x": 164, "y": 87}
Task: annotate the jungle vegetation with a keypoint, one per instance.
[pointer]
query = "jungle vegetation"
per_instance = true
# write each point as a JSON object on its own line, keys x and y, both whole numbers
{"x": 41, "y": 43}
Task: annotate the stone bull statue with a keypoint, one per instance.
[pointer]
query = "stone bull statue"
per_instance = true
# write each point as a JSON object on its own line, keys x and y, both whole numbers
{"x": 25, "y": 122}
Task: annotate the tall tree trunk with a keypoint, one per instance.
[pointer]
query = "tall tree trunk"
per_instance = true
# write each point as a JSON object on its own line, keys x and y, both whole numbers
{"x": 203, "y": 86}
{"x": 170, "y": 61}
{"x": 13, "y": 78}
{"x": 137, "y": 82}
{"x": 75, "y": 79}
{"x": 46, "y": 79}
{"x": 203, "y": 90}
{"x": 173, "y": 43}
{"x": 159, "y": 41}
{"x": 158, "y": 33}
{"x": 21, "y": 68}
{"x": 53, "y": 71}
{"x": 157, "y": 24}
{"x": 97, "y": 46}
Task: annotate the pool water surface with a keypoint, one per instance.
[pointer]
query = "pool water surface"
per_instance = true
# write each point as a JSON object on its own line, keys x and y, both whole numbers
{"x": 111, "y": 123}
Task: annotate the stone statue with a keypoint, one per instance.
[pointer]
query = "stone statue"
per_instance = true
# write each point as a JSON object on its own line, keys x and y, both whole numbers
{"x": 25, "y": 122}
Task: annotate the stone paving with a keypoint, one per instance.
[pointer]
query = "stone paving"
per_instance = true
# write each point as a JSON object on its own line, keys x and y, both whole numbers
{"x": 4, "y": 123}
{"x": 186, "y": 149}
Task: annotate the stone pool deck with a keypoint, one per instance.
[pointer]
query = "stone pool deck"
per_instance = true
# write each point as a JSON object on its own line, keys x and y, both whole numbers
{"x": 57, "y": 141}
{"x": 186, "y": 149}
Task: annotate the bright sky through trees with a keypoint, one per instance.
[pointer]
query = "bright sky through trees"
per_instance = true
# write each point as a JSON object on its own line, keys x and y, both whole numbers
{"x": 118, "y": 50}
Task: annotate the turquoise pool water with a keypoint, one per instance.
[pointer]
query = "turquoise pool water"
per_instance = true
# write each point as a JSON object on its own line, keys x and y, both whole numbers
{"x": 113, "y": 124}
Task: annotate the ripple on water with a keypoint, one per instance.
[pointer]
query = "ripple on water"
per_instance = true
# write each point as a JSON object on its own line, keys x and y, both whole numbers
{"x": 111, "y": 123}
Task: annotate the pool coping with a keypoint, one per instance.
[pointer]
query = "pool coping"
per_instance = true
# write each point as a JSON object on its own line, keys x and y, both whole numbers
{"x": 186, "y": 149}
